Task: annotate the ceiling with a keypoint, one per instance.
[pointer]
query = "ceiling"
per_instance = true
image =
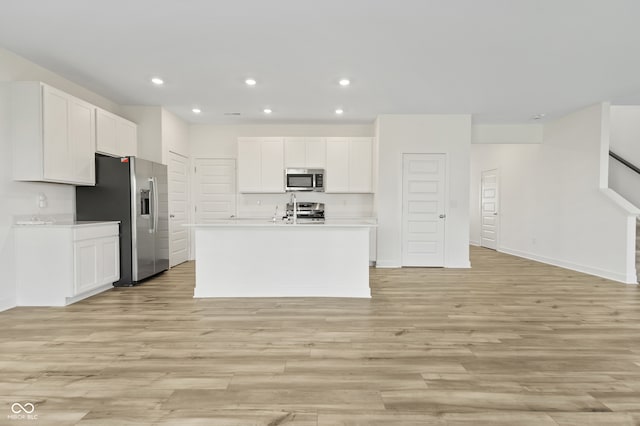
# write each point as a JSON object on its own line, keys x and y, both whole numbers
{"x": 503, "y": 61}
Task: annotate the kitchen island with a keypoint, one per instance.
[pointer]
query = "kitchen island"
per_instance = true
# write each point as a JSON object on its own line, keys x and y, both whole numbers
{"x": 262, "y": 258}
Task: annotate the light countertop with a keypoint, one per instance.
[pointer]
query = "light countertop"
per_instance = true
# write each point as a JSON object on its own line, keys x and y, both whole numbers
{"x": 268, "y": 223}
{"x": 61, "y": 224}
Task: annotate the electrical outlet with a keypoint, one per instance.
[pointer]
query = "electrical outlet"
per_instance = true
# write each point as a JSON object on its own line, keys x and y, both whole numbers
{"x": 42, "y": 200}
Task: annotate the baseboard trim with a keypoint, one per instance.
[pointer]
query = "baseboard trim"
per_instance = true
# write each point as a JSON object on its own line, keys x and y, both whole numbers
{"x": 602, "y": 273}
{"x": 474, "y": 243}
{"x": 6, "y": 304}
{"x": 387, "y": 265}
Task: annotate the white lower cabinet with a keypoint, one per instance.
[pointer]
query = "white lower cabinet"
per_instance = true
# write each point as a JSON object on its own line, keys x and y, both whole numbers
{"x": 60, "y": 264}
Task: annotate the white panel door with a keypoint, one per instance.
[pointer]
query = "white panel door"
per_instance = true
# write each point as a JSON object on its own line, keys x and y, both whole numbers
{"x": 423, "y": 209}
{"x": 178, "y": 172}
{"x": 215, "y": 189}
{"x": 489, "y": 209}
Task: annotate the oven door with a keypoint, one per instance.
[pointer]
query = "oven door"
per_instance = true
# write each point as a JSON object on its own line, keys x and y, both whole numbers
{"x": 299, "y": 181}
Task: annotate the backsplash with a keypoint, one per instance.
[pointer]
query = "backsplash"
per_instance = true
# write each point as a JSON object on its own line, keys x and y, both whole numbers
{"x": 336, "y": 205}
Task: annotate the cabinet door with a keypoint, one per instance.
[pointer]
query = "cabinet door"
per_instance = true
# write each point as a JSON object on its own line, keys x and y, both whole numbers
{"x": 85, "y": 266}
{"x": 316, "y": 153}
{"x": 360, "y": 165}
{"x": 127, "y": 138}
{"x": 56, "y": 151}
{"x": 295, "y": 153}
{"x": 272, "y": 165}
{"x": 106, "y": 141}
{"x": 337, "y": 168}
{"x": 109, "y": 261}
{"x": 249, "y": 168}
{"x": 82, "y": 141}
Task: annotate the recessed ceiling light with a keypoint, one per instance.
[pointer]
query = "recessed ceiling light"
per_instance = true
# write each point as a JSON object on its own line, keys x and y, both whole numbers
{"x": 344, "y": 82}
{"x": 267, "y": 111}
{"x": 538, "y": 116}
{"x": 157, "y": 80}
{"x": 339, "y": 111}
{"x": 196, "y": 110}
{"x": 250, "y": 82}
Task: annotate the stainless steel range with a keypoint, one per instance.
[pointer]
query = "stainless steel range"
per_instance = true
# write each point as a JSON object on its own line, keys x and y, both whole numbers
{"x": 306, "y": 212}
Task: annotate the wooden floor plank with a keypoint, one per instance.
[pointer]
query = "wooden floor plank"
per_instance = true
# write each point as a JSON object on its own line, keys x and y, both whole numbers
{"x": 509, "y": 341}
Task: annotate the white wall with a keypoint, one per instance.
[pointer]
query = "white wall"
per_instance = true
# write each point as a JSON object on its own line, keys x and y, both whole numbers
{"x": 19, "y": 198}
{"x": 552, "y": 208}
{"x": 159, "y": 131}
{"x": 175, "y": 135}
{"x": 625, "y": 141}
{"x": 507, "y": 133}
{"x": 149, "y": 121}
{"x": 398, "y": 134}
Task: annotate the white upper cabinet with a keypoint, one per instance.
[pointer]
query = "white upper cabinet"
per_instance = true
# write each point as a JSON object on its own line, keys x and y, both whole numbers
{"x": 316, "y": 153}
{"x": 52, "y": 134}
{"x": 360, "y": 161}
{"x": 261, "y": 165}
{"x": 272, "y": 165}
{"x": 349, "y": 165}
{"x": 295, "y": 155}
{"x": 114, "y": 135}
{"x": 307, "y": 153}
{"x": 337, "y": 171}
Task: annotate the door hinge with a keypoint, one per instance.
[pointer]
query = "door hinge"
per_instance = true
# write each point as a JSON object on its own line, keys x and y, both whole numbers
{"x": 195, "y": 169}
{"x": 196, "y": 208}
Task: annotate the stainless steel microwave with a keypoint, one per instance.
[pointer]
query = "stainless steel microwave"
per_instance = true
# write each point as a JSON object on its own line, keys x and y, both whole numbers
{"x": 304, "y": 180}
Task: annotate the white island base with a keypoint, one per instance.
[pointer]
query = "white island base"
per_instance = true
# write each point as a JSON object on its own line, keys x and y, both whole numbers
{"x": 236, "y": 259}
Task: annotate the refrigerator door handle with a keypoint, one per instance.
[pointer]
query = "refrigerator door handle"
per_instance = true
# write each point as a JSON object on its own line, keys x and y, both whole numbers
{"x": 152, "y": 206}
{"x": 156, "y": 204}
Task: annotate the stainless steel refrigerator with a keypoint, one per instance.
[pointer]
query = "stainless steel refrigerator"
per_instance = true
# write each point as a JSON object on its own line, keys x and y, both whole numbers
{"x": 135, "y": 192}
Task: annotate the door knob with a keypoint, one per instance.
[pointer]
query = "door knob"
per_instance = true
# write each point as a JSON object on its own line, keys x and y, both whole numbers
{"x": 172, "y": 216}
{"x": 442, "y": 216}
{"x": 495, "y": 213}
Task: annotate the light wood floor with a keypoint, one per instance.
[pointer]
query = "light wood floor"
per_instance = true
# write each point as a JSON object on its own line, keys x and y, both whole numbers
{"x": 508, "y": 342}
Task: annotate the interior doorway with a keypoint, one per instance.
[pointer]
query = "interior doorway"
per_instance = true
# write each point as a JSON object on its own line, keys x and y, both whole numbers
{"x": 489, "y": 203}
{"x": 215, "y": 189}
{"x": 178, "y": 181}
{"x": 423, "y": 209}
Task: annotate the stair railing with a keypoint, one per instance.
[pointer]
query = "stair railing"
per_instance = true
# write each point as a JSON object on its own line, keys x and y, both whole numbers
{"x": 625, "y": 162}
